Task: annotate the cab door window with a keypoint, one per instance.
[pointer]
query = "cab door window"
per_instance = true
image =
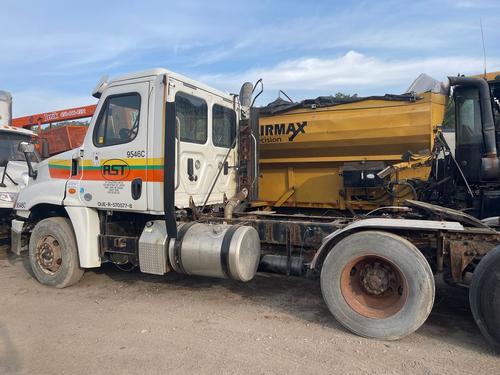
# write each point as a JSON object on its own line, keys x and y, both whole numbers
{"x": 223, "y": 126}
{"x": 118, "y": 121}
{"x": 191, "y": 114}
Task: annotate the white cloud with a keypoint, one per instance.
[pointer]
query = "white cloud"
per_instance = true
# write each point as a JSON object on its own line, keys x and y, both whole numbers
{"x": 290, "y": 47}
{"x": 312, "y": 76}
{"x": 352, "y": 71}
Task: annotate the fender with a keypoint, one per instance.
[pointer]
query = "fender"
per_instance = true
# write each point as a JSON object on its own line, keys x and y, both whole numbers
{"x": 85, "y": 222}
{"x": 377, "y": 223}
{"x": 43, "y": 190}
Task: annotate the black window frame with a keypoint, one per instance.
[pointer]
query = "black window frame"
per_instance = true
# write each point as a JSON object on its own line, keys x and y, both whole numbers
{"x": 234, "y": 130}
{"x": 475, "y": 135}
{"x": 104, "y": 109}
{"x": 206, "y": 126}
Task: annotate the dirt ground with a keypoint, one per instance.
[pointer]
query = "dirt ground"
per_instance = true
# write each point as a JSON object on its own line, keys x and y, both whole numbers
{"x": 119, "y": 322}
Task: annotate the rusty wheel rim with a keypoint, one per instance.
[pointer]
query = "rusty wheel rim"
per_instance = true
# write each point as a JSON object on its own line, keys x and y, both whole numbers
{"x": 48, "y": 254}
{"x": 373, "y": 286}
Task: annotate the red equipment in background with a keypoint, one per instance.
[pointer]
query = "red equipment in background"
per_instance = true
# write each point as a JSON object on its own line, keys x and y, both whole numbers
{"x": 59, "y": 138}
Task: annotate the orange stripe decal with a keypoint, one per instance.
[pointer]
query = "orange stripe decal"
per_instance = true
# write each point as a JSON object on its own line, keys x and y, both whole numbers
{"x": 109, "y": 170}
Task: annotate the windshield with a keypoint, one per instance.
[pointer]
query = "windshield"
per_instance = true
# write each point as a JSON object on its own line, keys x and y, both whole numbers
{"x": 9, "y": 144}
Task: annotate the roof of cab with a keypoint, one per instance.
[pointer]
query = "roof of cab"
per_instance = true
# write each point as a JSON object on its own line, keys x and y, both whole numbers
{"x": 12, "y": 129}
{"x": 151, "y": 73}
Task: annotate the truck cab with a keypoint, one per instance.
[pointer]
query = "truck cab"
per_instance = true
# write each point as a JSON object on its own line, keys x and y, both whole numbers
{"x": 159, "y": 144}
{"x": 120, "y": 164}
{"x": 474, "y": 162}
{"x": 13, "y": 168}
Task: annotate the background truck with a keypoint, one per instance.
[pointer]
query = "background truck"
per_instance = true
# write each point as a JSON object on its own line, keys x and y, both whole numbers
{"x": 13, "y": 168}
{"x": 165, "y": 180}
{"x": 57, "y": 130}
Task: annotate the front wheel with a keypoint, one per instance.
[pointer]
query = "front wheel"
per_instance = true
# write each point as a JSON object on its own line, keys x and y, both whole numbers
{"x": 484, "y": 296}
{"x": 53, "y": 253}
{"x": 378, "y": 285}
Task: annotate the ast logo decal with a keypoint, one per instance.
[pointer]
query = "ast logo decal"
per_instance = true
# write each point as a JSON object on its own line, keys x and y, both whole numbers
{"x": 115, "y": 169}
{"x": 273, "y": 133}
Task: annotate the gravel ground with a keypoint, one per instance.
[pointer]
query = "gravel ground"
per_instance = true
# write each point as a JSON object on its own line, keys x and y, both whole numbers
{"x": 118, "y": 322}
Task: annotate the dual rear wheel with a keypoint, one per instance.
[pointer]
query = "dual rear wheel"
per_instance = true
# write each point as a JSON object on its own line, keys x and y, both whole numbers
{"x": 484, "y": 297}
{"x": 378, "y": 285}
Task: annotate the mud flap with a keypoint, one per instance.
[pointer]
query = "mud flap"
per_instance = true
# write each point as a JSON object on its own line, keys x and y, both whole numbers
{"x": 16, "y": 233}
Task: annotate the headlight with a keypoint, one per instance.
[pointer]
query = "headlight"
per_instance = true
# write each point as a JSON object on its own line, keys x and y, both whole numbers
{"x": 8, "y": 197}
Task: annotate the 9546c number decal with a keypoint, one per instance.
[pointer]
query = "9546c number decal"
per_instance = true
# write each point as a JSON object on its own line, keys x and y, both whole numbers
{"x": 136, "y": 154}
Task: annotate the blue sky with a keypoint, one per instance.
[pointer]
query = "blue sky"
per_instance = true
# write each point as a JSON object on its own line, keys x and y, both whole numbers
{"x": 54, "y": 52}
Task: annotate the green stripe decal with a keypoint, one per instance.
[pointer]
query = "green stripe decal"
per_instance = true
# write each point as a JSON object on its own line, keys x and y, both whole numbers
{"x": 57, "y": 166}
{"x": 86, "y": 168}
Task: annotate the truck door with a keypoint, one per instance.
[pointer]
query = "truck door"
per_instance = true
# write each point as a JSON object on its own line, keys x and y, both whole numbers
{"x": 206, "y": 127}
{"x": 193, "y": 164}
{"x": 114, "y": 165}
{"x": 223, "y": 135}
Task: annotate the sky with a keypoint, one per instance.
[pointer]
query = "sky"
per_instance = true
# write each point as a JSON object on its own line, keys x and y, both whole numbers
{"x": 54, "y": 52}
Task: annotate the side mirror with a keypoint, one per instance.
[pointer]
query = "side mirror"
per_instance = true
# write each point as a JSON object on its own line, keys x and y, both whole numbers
{"x": 26, "y": 147}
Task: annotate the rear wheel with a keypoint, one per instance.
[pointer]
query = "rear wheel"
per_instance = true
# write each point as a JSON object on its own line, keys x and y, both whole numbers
{"x": 484, "y": 296}
{"x": 378, "y": 285}
{"x": 53, "y": 253}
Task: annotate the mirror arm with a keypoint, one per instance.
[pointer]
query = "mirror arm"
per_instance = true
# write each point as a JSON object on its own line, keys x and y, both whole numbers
{"x": 31, "y": 172}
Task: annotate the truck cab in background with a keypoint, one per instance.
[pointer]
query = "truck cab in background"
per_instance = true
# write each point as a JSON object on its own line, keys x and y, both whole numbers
{"x": 468, "y": 178}
{"x": 13, "y": 168}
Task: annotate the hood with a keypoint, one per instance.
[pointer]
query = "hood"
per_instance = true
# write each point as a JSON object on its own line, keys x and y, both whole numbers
{"x": 18, "y": 172}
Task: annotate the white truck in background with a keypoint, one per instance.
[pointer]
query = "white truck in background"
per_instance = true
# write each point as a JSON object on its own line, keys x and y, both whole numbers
{"x": 13, "y": 168}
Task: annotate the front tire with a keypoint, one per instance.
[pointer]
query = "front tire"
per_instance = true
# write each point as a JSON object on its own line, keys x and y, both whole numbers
{"x": 484, "y": 297}
{"x": 378, "y": 285}
{"x": 53, "y": 253}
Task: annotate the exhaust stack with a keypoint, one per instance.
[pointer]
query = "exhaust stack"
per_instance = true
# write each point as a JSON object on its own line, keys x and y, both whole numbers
{"x": 5, "y": 108}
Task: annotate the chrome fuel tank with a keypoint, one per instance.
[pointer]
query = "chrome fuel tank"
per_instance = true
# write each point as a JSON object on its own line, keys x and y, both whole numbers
{"x": 219, "y": 250}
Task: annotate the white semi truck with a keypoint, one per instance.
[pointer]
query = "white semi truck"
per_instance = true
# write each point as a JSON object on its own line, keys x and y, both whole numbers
{"x": 13, "y": 168}
{"x": 164, "y": 181}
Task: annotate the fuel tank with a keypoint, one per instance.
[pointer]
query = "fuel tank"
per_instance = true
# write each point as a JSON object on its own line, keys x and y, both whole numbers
{"x": 223, "y": 251}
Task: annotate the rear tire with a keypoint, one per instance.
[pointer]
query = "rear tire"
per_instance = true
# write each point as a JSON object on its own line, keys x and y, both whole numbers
{"x": 378, "y": 285}
{"x": 53, "y": 253}
{"x": 484, "y": 297}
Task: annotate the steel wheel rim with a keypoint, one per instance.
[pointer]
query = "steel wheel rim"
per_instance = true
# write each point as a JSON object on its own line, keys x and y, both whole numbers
{"x": 48, "y": 254}
{"x": 373, "y": 286}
